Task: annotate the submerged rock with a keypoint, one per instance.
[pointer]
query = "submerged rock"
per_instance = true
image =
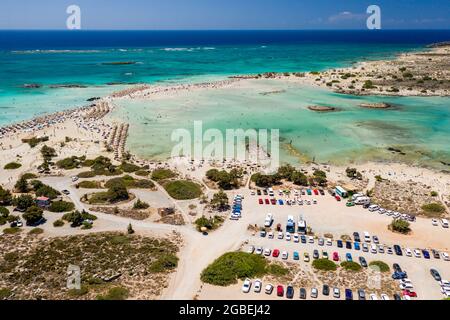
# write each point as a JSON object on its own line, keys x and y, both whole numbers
{"x": 322, "y": 108}
{"x": 381, "y": 105}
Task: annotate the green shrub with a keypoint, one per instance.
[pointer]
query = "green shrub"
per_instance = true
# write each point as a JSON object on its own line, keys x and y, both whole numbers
{"x": 28, "y": 176}
{"x": 210, "y": 224}
{"x": 433, "y": 193}
{"x": 70, "y": 163}
{"x": 368, "y": 84}
{"x": 12, "y": 166}
{"x": 58, "y": 223}
{"x": 116, "y": 293}
{"x": 277, "y": 270}
{"x": 89, "y": 185}
{"x": 165, "y": 262}
{"x": 351, "y": 265}
{"x": 324, "y": 265}
{"x": 230, "y": 267}
{"x": 24, "y": 201}
{"x": 5, "y": 197}
{"x": 433, "y": 208}
{"x": 61, "y": 206}
{"x": 87, "y": 174}
{"x": 400, "y": 225}
{"x": 129, "y": 167}
{"x": 5, "y": 293}
{"x": 380, "y": 265}
{"x": 138, "y": 205}
{"x": 183, "y": 189}
{"x": 163, "y": 174}
{"x": 142, "y": 173}
{"x": 13, "y": 230}
{"x": 76, "y": 293}
{"x": 33, "y": 215}
{"x": 36, "y": 231}
{"x": 43, "y": 190}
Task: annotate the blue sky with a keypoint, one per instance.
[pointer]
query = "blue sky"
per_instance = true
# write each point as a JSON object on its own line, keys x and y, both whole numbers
{"x": 224, "y": 14}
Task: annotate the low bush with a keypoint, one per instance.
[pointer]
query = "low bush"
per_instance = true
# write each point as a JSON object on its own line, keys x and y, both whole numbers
{"x": 89, "y": 185}
{"x": 163, "y": 174}
{"x": 324, "y": 265}
{"x": 230, "y": 267}
{"x": 13, "y": 230}
{"x": 399, "y": 225}
{"x": 277, "y": 270}
{"x": 351, "y": 265}
{"x": 12, "y": 166}
{"x": 183, "y": 189}
{"x": 380, "y": 265}
{"x": 61, "y": 206}
{"x": 58, "y": 223}
{"x": 36, "y": 231}
{"x": 433, "y": 209}
{"x": 87, "y": 174}
{"x": 139, "y": 205}
{"x": 116, "y": 293}
{"x": 129, "y": 167}
{"x": 166, "y": 262}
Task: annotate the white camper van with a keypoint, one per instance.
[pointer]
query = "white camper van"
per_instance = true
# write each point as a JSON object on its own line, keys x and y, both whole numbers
{"x": 269, "y": 220}
{"x": 362, "y": 200}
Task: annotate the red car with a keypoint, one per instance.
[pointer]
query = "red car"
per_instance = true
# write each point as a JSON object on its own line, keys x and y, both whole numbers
{"x": 412, "y": 294}
{"x": 316, "y": 192}
{"x": 335, "y": 256}
{"x": 267, "y": 201}
{"x": 261, "y": 201}
{"x": 337, "y": 198}
{"x": 276, "y": 253}
{"x": 274, "y": 201}
{"x": 280, "y": 291}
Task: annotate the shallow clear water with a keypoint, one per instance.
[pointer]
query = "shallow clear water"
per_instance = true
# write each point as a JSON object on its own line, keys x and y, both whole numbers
{"x": 420, "y": 127}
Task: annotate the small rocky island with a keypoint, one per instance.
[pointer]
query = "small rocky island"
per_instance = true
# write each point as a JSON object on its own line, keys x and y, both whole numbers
{"x": 322, "y": 108}
{"x": 381, "y": 105}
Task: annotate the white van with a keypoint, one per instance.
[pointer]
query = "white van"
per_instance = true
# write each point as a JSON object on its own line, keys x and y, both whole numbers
{"x": 356, "y": 196}
{"x": 444, "y": 223}
{"x": 269, "y": 220}
{"x": 362, "y": 200}
{"x": 373, "y": 208}
{"x": 270, "y": 191}
{"x": 367, "y": 237}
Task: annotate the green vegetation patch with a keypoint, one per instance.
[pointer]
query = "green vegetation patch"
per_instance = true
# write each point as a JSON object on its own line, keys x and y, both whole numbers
{"x": 166, "y": 262}
{"x": 89, "y": 185}
{"x": 433, "y": 209}
{"x": 61, "y": 206}
{"x": 351, "y": 265}
{"x": 13, "y": 230}
{"x": 324, "y": 265}
{"x": 277, "y": 270}
{"x": 183, "y": 189}
{"x": 163, "y": 174}
{"x": 116, "y": 293}
{"x": 211, "y": 224}
{"x": 401, "y": 226}
{"x": 36, "y": 231}
{"x": 380, "y": 265}
{"x": 131, "y": 183}
{"x": 227, "y": 269}
{"x": 12, "y": 166}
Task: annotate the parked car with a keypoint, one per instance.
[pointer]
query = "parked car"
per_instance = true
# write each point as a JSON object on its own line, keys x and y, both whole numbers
{"x": 384, "y": 297}
{"x": 426, "y": 254}
{"x": 417, "y": 253}
{"x": 268, "y": 289}
{"x": 363, "y": 262}
{"x": 336, "y": 292}
{"x": 408, "y": 252}
{"x": 435, "y": 274}
{"x": 280, "y": 291}
{"x": 306, "y": 257}
{"x": 296, "y": 256}
{"x": 373, "y": 296}
{"x": 398, "y": 250}
{"x": 361, "y": 294}
{"x": 445, "y": 256}
{"x": 258, "y": 286}
{"x": 375, "y": 240}
{"x": 267, "y": 252}
{"x": 348, "y": 257}
{"x": 303, "y": 239}
{"x": 435, "y": 254}
{"x": 276, "y": 253}
{"x": 326, "y": 290}
{"x": 284, "y": 255}
{"x": 348, "y": 244}
{"x": 314, "y": 293}
{"x": 335, "y": 256}
{"x": 348, "y": 294}
{"x": 397, "y": 267}
{"x": 303, "y": 293}
{"x": 259, "y": 250}
{"x": 365, "y": 247}
{"x": 356, "y": 245}
{"x": 246, "y": 286}
{"x": 397, "y": 297}
{"x": 250, "y": 249}
{"x": 321, "y": 241}
{"x": 290, "y": 292}
{"x": 339, "y": 243}
{"x": 296, "y": 238}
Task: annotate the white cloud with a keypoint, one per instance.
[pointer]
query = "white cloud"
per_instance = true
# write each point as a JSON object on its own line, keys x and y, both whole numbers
{"x": 346, "y": 16}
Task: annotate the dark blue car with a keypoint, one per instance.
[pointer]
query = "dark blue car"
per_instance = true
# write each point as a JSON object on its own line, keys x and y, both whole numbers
{"x": 339, "y": 243}
{"x": 426, "y": 254}
{"x": 303, "y": 238}
{"x": 290, "y": 292}
{"x": 348, "y": 294}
